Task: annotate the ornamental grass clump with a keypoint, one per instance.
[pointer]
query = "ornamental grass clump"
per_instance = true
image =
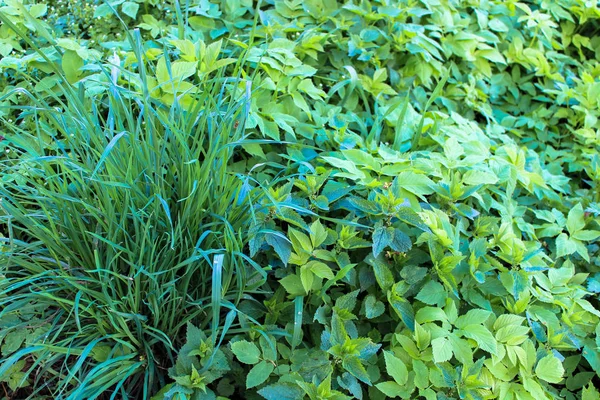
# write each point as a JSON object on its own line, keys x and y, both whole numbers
{"x": 133, "y": 227}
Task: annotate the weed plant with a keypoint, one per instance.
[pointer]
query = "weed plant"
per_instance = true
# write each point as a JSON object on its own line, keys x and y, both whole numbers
{"x": 134, "y": 227}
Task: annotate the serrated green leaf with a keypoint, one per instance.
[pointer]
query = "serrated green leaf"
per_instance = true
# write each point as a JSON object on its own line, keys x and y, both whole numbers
{"x": 354, "y": 366}
{"x": 373, "y": 307}
{"x": 389, "y": 388}
{"x": 381, "y": 239}
{"x": 550, "y": 369}
{"x": 281, "y": 391}
{"x": 433, "y": 293}
{"x": 395, "y": 368}
{"x": 306, "y": 277}
{"x": 442, "y": 349}
{"x": 246, "y": 352}
{"x": 482, "y": 336}
{"x": 259, "y": 374}
{"x": 318, "y": 234}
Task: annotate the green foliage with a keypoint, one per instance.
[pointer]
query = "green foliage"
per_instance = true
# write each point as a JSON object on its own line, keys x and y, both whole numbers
{"x": 126, "y": 231}
{"x": 420, "y": 200}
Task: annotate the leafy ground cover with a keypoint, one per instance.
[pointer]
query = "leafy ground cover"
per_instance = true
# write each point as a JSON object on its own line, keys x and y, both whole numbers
{"x": 300, "y": 199}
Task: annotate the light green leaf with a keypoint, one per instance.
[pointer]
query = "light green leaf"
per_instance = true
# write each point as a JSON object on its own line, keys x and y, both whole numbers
{"x": 564, "y": 245}
{"x": 395, "y": 368}
{"x": 550, "y": 369}
{"x": 300, "y": 241}
{"x": 71, "y": 64}
{"x": 586, "y": 235}
{"x": 246, "y": 352}
{"x": 575, "y": 219}
{"x": 418, "y": 184}
{"x": 473, "y": 177}
{"x": 130, "y": 8}
{"x": 421, "y": 374}
{"x": 259, "y": 374}
{"x": 307, "y": 86}
{"x": 442, "y": 349}
{"x": 482, "y": 336}
{"x": 389, "y": 388}
{"x": 433, "y": 293}
{"x": 318, "y": 234}
{"x": 321, "y": 270}
{"x": 307, "y": 277}
{"x": 293, "y": 285}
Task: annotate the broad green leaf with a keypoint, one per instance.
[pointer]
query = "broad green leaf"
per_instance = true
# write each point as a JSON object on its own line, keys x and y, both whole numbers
{"x": 418, "y": 184}
{"x": 389, "y": 388}
{"x": 307, "y": 86}
{"x": 354, "y": 367}
{"x": 293, "y": 285}
{"x": 482, "y": 336}
{"x": 395, "y": 368}
{"x": 282, "y": 391}
{"x": 421, "y": 374}
{"x": 246, "y": 352}
{"x": 259, "y": 374}
{"x": 550, "y": 369}
{"x": 564, "y": 245}
{"x": 300, "y": 241}
{"x": 307, "y": 277}
{"x": 575, "y": 219}
{"x": 321, "y": 270}
{"x": 382, "y": 237}
{"x": 130, "y": 8}
{"x": 318, "y": 234}
{"x": 433, "y": 293}
{"x": 442, "y": 349}
{"x": 71, "y": 65}
{"x": 373, "y": 307}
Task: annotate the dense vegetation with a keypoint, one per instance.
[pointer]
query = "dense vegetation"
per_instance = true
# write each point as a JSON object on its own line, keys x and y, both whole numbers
{"x": 299, "y": 199}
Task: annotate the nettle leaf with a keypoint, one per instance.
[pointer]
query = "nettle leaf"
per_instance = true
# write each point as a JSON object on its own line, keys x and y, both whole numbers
{"x": 382, "y": 272}
{"x": 382, "y": 237}
{"x": 354, "y": 366}
{"x": 403, "y": 308}
{"x": 246, "y": 352}
{"x": 373, "y": 307}
{"x": 282, "y": 391}
{"x": 281, "y": 245}
{"x": 409, "y": 216}
{"x": 400, "y": 242}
